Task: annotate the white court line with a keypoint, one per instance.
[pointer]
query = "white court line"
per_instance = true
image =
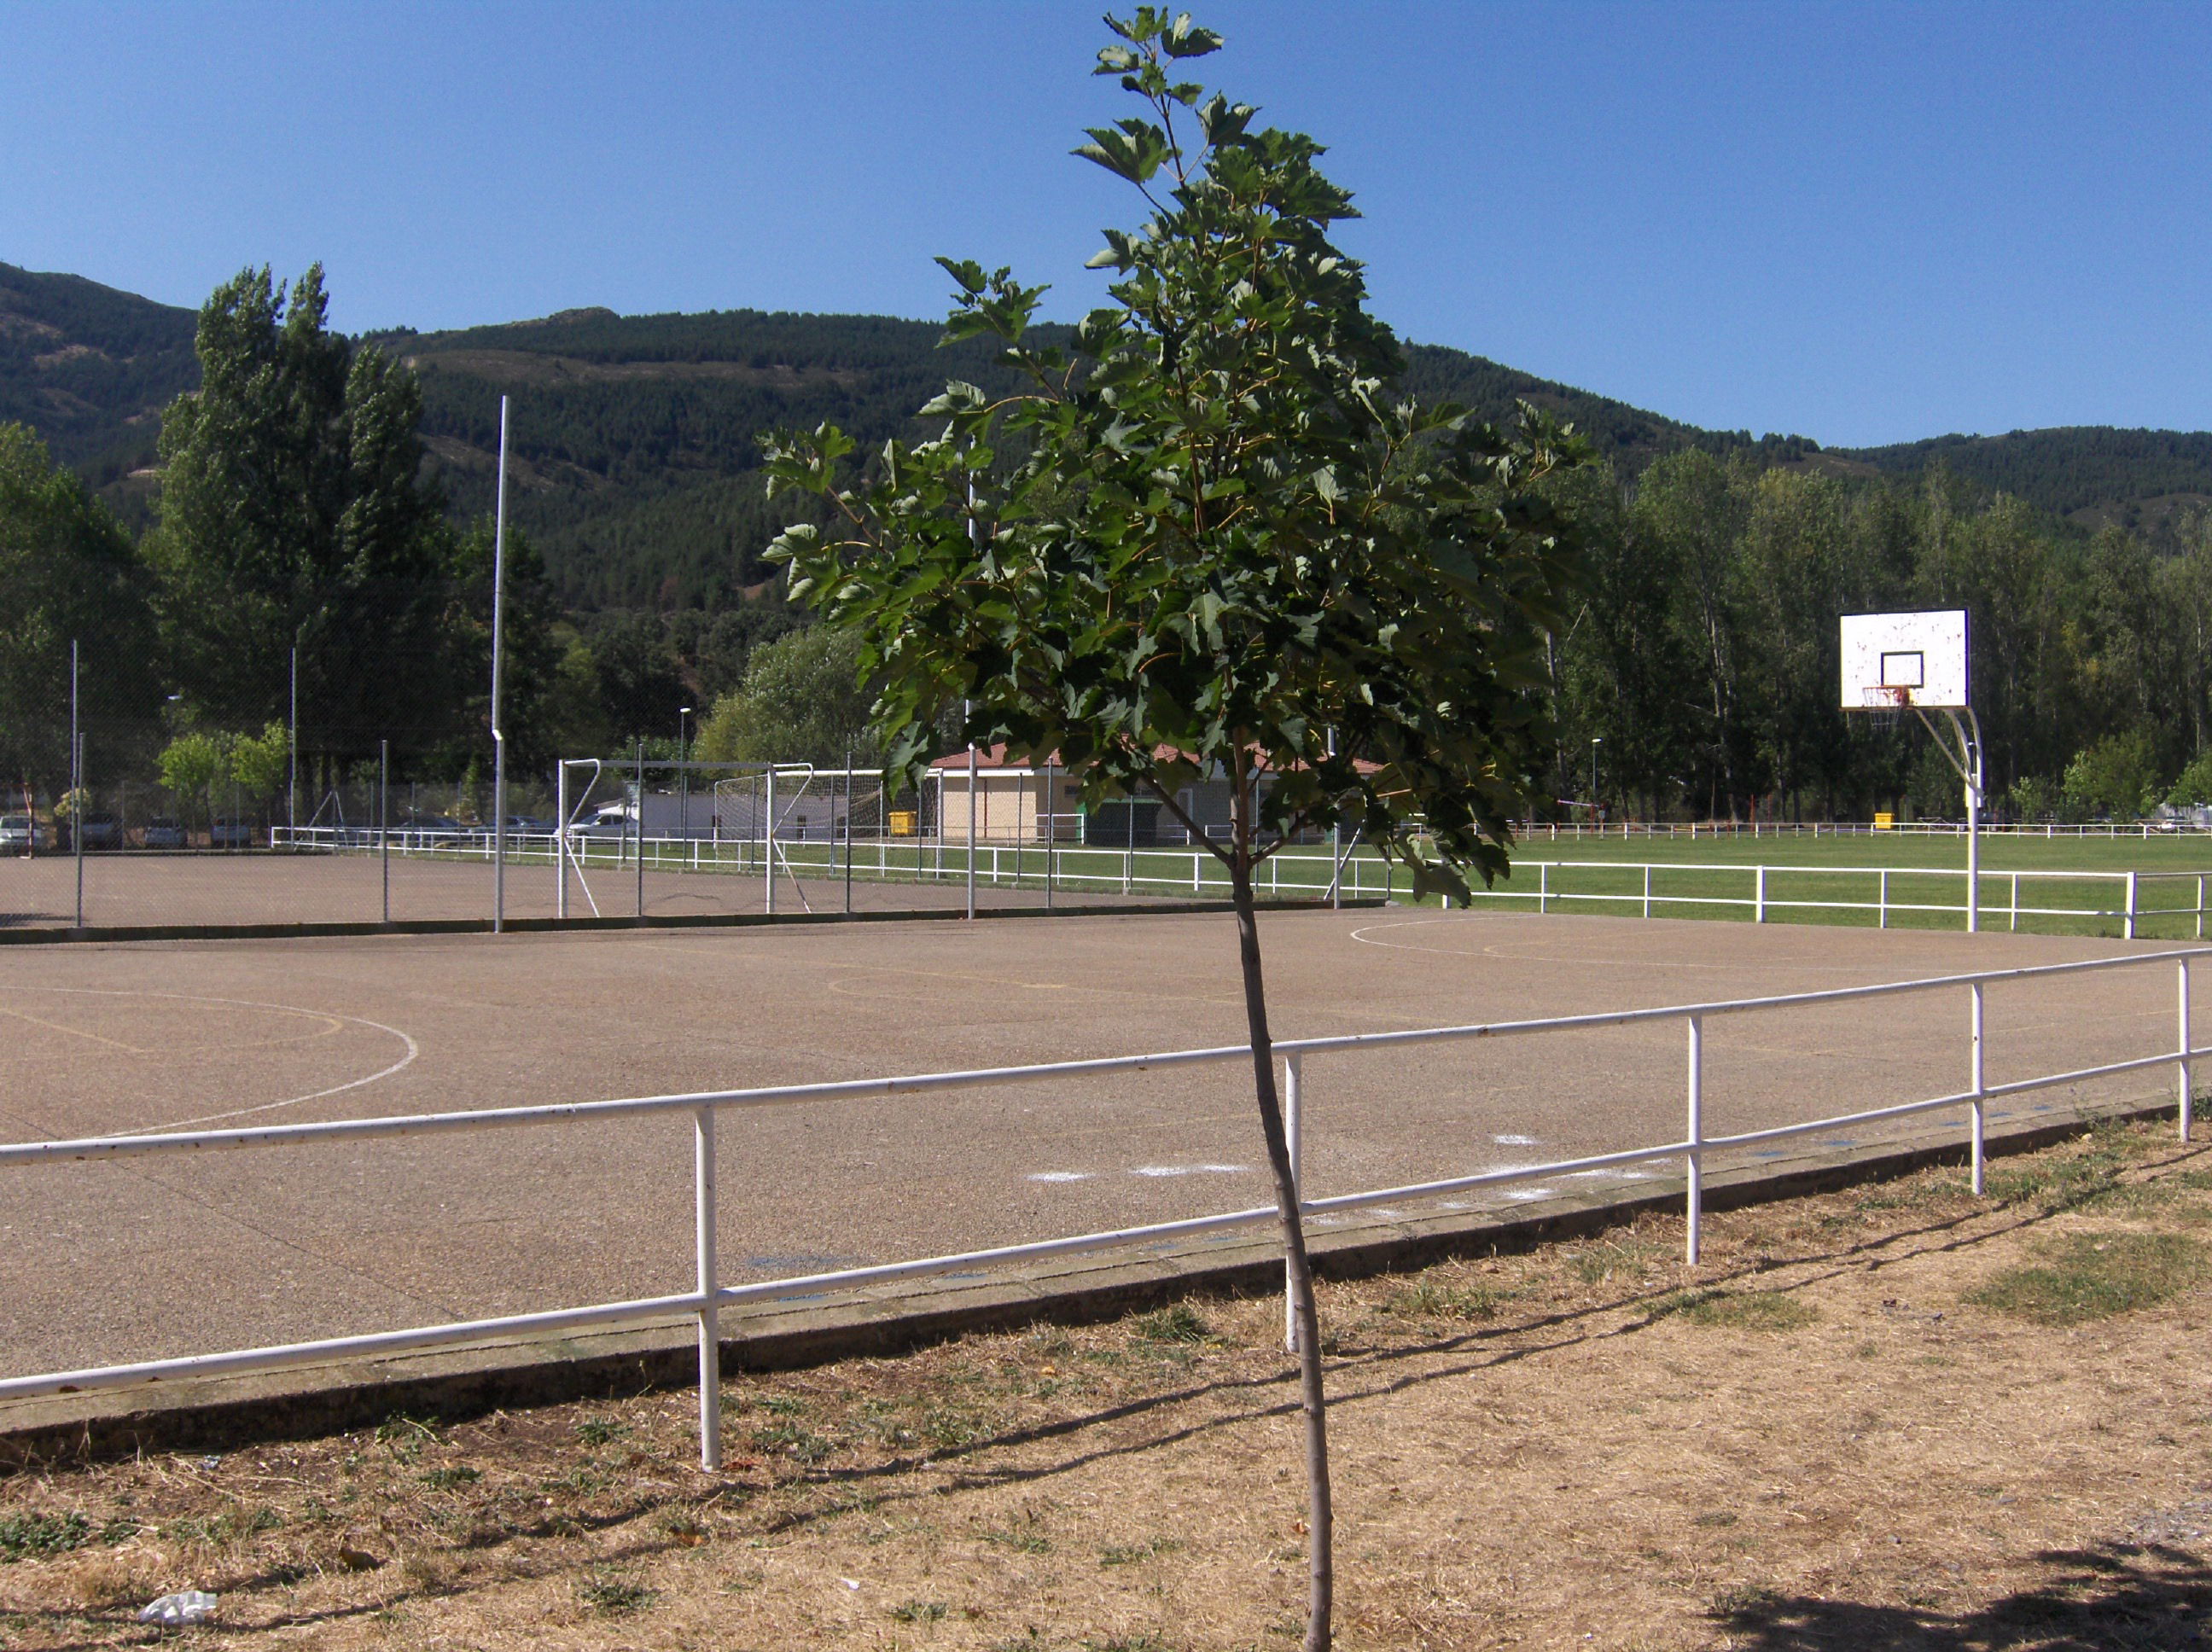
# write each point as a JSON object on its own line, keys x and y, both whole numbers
{"x": 413, "y": 1049}
{"x": 1517, "y": 951}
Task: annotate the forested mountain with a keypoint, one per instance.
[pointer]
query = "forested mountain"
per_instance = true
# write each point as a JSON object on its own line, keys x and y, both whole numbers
{"x": 2092, "y": 475}
{"x": 320, "y": 494}
{"x": 90, "y": 368}
{"x": 633, "y": 435}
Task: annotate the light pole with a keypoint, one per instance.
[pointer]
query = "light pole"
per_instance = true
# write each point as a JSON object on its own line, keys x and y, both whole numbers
{"x": 684, "y": 780}
{"x": 1596, "y": 740}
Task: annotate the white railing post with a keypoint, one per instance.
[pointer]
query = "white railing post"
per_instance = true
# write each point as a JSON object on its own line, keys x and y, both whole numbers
{"x": 1977, "y": 1085}
{"x": 2200, "y": 907}
{"x": 1759, "y": 897}
{"x": 2127, "y": 929}
{"x": 2013, "y": 919}
{"x": 1294, "y": 1134}
{"x": 1543, "y": 885}
{"x": 1694, "y": 1159}
{"x": 710, "y": 1336}
{"x": 1647, "y": 889}
{"x": 1882, "y": 901}
{"x": 2184, "y": 1078}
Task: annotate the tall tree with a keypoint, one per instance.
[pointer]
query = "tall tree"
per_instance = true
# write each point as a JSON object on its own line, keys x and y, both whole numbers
{"x": 292, "y": 514}
{"x": 68, "y": 574}
{"x": 1216, "y": 549}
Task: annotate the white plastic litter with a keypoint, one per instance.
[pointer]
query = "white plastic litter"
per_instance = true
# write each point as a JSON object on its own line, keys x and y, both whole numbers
{"x": 173, "y": 1610}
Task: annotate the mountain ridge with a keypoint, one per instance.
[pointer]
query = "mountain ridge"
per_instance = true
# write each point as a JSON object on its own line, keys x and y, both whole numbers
{"x": 635, "y": 457}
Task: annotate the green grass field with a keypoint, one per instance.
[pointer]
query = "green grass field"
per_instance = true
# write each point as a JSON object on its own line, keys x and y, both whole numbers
{"x": 1903, "y": 881}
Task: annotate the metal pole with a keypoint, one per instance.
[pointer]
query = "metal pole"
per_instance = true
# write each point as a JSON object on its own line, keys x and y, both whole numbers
{"x": 384, "y": 821}
{"x": 292, "y": 785}
{"x": 1694, "y": 1159}
{"x": 1978, "y": 1085}
{"x": 1758, "y": 912}
{"x": 964, "y": 708}
{"x": 1052, "y": 838}
{"x": 498, "y": 651}
{"x": 2184, "y": 1078}
{"x": 710, "y": 1340}
{"x": 767, "y": 844}
{"x": 2130, "y": 920}
{"x": 1294, "y": 1132}
{"x": 640, "y": 812}
{"x": 77, "y": 788}
{"x": 848, "y": 829}
{"x": 561, "y": 840}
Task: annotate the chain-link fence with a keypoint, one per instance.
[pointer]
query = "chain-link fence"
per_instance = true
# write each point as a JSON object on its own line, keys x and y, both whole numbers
{"x": 147, "y": 826}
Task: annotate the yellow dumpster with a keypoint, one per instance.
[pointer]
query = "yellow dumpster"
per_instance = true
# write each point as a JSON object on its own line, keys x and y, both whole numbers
{"x": 1884, "y": 820}
{"x": 905, "y": 823}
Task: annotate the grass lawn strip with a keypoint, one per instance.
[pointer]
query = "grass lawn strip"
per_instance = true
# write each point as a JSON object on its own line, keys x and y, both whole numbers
{"x": 1892, "y": 1415}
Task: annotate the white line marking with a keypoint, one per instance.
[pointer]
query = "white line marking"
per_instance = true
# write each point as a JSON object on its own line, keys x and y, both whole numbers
{"x": 1061, "y": 1175}
{"x": 412, "y": 1049}
{"x": 1189, "y": 1169}
{"x": 1523, "y": 1141}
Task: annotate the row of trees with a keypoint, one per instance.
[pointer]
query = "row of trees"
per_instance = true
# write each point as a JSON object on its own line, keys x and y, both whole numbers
{"x": 1704, "y": 657}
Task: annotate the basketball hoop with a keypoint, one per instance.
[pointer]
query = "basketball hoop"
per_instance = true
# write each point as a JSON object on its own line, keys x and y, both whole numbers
{"x": 1886, "y": 703}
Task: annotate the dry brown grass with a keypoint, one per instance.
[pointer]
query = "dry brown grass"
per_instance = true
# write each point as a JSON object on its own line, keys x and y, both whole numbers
{"x": 1825, "y": 1437}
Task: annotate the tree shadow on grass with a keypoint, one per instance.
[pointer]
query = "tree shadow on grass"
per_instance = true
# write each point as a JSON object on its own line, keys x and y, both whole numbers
{"x": 2113, "y": 1597}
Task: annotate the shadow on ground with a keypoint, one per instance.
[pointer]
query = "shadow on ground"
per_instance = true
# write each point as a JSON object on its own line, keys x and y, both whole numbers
{"x": 2115, "y": 1597}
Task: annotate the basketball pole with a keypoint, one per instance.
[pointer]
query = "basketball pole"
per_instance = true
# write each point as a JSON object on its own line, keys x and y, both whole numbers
{"x": 498, "y": 659}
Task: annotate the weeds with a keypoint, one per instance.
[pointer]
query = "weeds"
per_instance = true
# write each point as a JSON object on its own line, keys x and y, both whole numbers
{"x": 600, "y": 1430}
{"x": 451, "y": 1477}
{"x": 1134, "y": 1553}
{"x": 2092, "y": 1275}
{"x": 918, "y": 1611}
{"x": 614, "y": 1597}
{"x": 1427, "y": 1299}
{"x": 34, "y": 1537}
{"x": 1178, "y": 1323}
{"x": 1749, "y": 1310}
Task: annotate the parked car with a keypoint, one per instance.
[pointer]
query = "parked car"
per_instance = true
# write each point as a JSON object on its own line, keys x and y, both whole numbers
{"x": 102, "y": 830}
{"x": 19, "y": 835}
{"x": 163, "y": 832}
{"x": 230, "y": 832}
{"x": 433, "y": 827}
{"x": 529, "y": 826}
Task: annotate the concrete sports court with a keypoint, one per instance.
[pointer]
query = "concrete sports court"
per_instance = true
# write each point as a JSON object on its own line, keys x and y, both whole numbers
{"x": 106, "y": 1262}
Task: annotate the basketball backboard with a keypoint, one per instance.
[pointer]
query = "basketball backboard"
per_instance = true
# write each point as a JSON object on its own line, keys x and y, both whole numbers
{"x": 1894, "y": 660}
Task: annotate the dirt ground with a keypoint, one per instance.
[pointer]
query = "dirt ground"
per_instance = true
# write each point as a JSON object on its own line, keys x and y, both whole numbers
{"x": 1892, "y": 1417}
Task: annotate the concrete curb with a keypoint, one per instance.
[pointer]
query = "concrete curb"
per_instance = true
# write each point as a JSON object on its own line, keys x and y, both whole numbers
{"x": 305, "y": 1401}
{"x": 683, "y": 920}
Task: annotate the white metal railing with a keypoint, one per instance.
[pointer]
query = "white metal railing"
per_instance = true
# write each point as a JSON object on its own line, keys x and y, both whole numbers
{"x": 1761, "y": 889}
{"x": 710, "y": 1295}
{"x": 1570, "y": 830}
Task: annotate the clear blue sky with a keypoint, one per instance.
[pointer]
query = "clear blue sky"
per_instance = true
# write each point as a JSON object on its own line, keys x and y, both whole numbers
{"x": 1861, "y": 223}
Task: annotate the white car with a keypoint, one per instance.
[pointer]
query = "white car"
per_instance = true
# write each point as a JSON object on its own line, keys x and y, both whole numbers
{"x": 19, "y": 835}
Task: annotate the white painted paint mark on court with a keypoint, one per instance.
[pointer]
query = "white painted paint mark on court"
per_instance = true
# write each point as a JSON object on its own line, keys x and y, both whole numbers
{"x": 1189, "y": 1169}
{"x": 1061, "y": 1175}
{"x": 409, "y": 1045}
{"x": 1520, "y": 1195}
{"x": 1515, "y": 1141}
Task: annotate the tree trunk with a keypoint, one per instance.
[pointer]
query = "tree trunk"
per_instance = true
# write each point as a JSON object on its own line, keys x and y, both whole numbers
{"x": 1319, "y": 1520}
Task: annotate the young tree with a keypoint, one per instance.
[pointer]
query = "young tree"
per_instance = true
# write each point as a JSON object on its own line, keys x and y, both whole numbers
{"x": 1216, "y": 546}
